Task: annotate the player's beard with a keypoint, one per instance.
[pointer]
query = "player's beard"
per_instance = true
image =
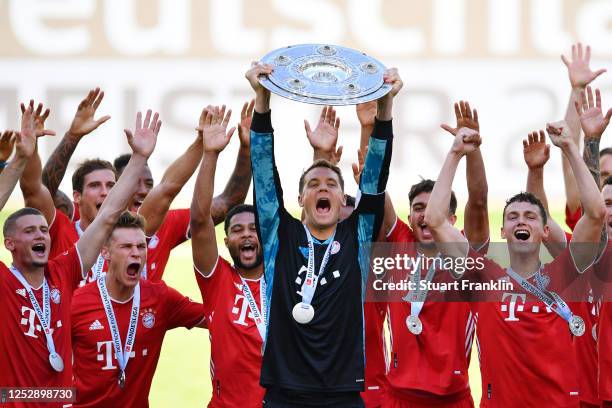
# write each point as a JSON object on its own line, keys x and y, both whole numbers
{"x": 238, "y": 263}
{"x": 37, "y": 264}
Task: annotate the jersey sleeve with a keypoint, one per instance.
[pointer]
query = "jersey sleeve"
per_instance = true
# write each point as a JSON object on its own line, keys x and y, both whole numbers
{"x": 181, "y": 311}
{"x": 566, "y": 280}
{"x": 211, "y": 285}
{"x": 60, "y": 242}
{"x": 68, "y": 267}
{"x": 267, "y": 191}
{"x": 400, "y": 232}
{"x": 378, "y": 159}
{"x": 176, "y": 227}
{"x": 571, "y": 219}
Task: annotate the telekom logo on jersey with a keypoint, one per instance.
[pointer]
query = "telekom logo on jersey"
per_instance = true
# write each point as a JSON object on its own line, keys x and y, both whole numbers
{"x": 513, "y": 307}
{"x": 29, "y": 320}
{"x": 241, "y": 308}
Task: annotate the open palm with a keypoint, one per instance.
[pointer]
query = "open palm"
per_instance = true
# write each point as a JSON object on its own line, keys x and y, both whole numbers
{"x": 213, "y": 125}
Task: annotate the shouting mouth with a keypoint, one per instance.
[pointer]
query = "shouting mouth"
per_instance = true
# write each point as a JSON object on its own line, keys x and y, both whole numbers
{"x": 522, "y": 234}
{"x": 323, "y": 206}
{"x": 133, "y": 268}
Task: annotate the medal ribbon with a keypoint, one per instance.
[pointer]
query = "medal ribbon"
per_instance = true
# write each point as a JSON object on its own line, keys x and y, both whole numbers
{"x": 44, "y": 314}
{"x": 259, "y": 317}
{"x": 419, "y": 295}
{"x": 310, "y": 282}
{"x": 122, "y": 355}
{"x": 550, "y": 299}
{"x": 96, "y": 268}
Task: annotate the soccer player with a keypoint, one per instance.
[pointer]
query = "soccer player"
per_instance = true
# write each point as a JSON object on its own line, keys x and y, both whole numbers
{"x": 525, "y": 351}
{"x": 93, "y": 179}
{"x": 314, "y": 271}
{"x": 603, "y": 283}
{"x": 119, "y": 322}
{"x": 166, "y": 228}
{"x": 36, "y": 293}
{"x": 233, "y": 295}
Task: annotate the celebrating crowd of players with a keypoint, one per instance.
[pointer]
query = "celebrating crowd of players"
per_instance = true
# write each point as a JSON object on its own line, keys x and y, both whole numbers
{"x": 83, "y": 303}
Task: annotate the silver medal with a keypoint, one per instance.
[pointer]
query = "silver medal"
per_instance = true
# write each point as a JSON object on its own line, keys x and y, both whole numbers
{"x": 414, "y": 325}
{"x": 56, "y": 362}
{"x": 121, "y": 380}
{"x": 576, "y": 325}
{"x": 303, "y": 313}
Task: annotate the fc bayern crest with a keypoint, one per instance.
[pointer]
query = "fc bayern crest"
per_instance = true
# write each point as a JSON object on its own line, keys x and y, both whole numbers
{"x": 148, "y": 320}
{"x": 153, "y": 242}
{"x": 335, "y": 247}
{"x": 55, "y": 295}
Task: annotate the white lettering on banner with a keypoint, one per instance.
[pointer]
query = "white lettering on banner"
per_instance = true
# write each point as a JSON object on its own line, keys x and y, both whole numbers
{"x": 504, "y": 26}
{"x": 170, "y": 35}
{"x": 30, "y": 21}
{"x": 228, "y": 33}
{"x": 325, "y": 18}
{"x": 549, "y": 37}
{"x": 368, "y": 27}
{"x": 513, "y": 297}
{"x": 448, "y": 28}
{"x": 593, "y": 23}
{"x": 241, "y": 307}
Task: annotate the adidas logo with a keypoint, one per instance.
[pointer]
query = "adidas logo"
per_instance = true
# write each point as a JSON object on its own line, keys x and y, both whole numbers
{"x": 96, "y": 326}
{"x": 21, "y": 292}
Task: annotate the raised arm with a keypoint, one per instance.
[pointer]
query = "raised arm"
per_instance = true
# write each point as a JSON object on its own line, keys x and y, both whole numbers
{"x": 536, "y": 153}
{"x": 82, "y": 125}
{"x": 25, "y": 147}
{"x": 35, "y": 194}
{"x": 7, "y": 142}
{"x": 142, "y": 143}
{"x": 476, "y": 224}
{"x": 215, "y": 139}
{"x": 580, "y": 76}
{"x": 324, "y": 137}
{"x": 450, "y": 241}
{"x": 590, "y": 225}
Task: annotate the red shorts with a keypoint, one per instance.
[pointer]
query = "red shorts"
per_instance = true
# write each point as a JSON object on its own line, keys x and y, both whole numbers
{"x": 395, "y": 400}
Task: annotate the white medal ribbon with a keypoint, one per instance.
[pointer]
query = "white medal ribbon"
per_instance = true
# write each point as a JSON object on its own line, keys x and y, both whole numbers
{"x": 143, "y": 274}
{"x": 44, "y": 314}
{"x": 417, "y": 297}
{"x": 96, "y": 269}
{"x": 310, "y": 282}
{"x": 122, "y": 354}
{"x": 550, "y": 299}
{"x": 258, "y": 316}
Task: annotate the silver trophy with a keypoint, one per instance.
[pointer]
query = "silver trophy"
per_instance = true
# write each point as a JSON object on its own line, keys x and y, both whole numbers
{"x": 324, "y": 74}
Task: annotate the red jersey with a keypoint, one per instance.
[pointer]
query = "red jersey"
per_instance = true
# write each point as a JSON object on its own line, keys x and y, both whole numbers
{"x": 96, "y": 369}
{"x": 431, "y": 366}
{"x": 603, "y": 275}
{"x": 23, "y": 345}
{"x": 173, "y": 232}
{"x": 235, "y": 342}
{"x": 377, "y": 363}
{"x": 585, "y": 347}
{"x": 525, "y": 348}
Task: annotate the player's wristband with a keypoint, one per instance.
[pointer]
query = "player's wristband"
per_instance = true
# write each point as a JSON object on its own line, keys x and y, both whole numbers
{"x": 3, "y": 164}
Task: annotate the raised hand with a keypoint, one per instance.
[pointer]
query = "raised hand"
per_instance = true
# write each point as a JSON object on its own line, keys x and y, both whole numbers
{"x": 84, "y": 122}
{"x": 39, "y": 118}
{"x": 325, "y": 135}
{"x": 257, "y": 69}
{"x": 213, "y": 125}
{"x": 535, "y": 150}
{"x": 366, "y": 113}
{"x": 244, "y": 126}
{"x": 25, "y": 141}
{"x": 559, "y": 134}
{"x": 592, "y": 121}
{"x": 358, "y": 167}
{"x": 465, "y": 118}
{"x": 391, "y": 76}
{"x": 580, "y": 74}
{"x": 7, "y": 142}
{"x": 466, "y": 141}
{"x": 143, "y": 140}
